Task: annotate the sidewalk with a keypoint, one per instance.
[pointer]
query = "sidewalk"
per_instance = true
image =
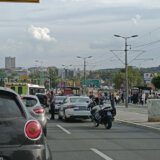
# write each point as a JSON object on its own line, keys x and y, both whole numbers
{"x": 136, "y": 115}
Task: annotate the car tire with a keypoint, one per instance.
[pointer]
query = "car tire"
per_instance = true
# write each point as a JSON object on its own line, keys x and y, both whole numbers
{"x": 59, "y": 117}
{"x": 65, "y": 118}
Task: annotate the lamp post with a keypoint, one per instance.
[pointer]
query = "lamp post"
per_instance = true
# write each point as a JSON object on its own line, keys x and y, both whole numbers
{"x": 65, "y": 73}
{"x": 126, "y": 66}
{"x": 84, "y": 59}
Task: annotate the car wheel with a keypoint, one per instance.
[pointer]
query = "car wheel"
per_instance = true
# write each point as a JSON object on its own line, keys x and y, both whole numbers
{"x": 65, "y": 118}
{"x": 59, "y": 117}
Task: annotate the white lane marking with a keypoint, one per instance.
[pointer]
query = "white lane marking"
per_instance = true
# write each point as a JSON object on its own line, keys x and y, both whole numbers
{"x": 66, "y": 131}
{"x": 101, "y": 154}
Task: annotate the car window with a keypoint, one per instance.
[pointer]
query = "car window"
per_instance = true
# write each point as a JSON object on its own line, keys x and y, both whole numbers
{"x": 75, "y": 100}
{"x": 29, "y": 101}
{"x": 9, "y": 106}
{"x": 60, "y": 99}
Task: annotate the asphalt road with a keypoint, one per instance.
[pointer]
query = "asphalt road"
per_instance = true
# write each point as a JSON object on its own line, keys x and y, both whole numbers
{"x": 81, "y": 141}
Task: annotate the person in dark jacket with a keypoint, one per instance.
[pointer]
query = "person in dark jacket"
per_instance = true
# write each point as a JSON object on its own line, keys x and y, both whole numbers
{"x": 52, "y": 104}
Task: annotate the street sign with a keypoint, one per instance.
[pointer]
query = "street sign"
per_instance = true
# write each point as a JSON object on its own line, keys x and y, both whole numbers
{"x": 91, "y": 83}
{"x": 24, "y": 77}
{"x": 2, "y": 76}
{"x": 20, "y": 1}
{"x": 43, "y": 77}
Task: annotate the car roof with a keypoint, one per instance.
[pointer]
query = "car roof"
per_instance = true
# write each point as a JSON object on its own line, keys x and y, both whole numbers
{"x": 8, "y": 90}
{"x": 78, "y": 97}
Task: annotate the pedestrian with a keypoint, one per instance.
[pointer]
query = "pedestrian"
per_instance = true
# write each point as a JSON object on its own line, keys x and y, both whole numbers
{"x": 52, "y": 104}
{"x": 143, "y": 98}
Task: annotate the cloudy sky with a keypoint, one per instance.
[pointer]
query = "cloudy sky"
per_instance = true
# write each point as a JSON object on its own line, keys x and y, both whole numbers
{"x": 55, "y": 32}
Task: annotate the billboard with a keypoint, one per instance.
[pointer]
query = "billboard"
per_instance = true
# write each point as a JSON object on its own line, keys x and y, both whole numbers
{"x": 21, "y": 1}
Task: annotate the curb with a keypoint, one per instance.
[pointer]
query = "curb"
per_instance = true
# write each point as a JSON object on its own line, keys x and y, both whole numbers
{"x": 138, "y": 125}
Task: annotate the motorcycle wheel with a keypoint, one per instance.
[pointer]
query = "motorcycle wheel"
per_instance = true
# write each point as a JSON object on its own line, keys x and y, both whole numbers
{"x": 108, "y": 125}
{"x": 96, "y": 124}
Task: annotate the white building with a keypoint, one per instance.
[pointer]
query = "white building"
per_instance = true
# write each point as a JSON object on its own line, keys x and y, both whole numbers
{"x": 10, "y": 62}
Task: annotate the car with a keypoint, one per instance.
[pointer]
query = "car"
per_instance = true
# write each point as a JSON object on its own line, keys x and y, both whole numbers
{"x": 35, "y": 108}
{"x": 43, "y": 99}
{"x": 21, "y": 134}
{"x": 58, "y": 102}
{"x": 75, "y": 107}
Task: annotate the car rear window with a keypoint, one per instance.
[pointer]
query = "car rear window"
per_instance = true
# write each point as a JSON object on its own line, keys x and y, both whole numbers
{"x": 29, "y": 101}
{"x": 75, "y": 100}
{"x": 9, "y": 106}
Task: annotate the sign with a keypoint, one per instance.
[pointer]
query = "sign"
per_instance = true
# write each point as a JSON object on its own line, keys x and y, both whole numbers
{"x": 43, "y": 77}
{"x": 20, "y": 1}
{"x": 61, "y": 84}
{"x": 78, "y": 83}
{"x": 24, "y": 77}
{"x": 149, "y": 76}
{"x": 70, "y": 82}
{"x": 2, "y": 76}
{"x": 91, "y": 83}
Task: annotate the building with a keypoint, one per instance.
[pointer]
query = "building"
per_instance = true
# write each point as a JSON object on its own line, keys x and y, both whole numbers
{"x": 10, "y": 62}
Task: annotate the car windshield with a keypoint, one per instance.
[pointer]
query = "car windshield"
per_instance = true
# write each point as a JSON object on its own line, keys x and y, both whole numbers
{"x": 28, "y": 101}
{"x": 75, "y": 100}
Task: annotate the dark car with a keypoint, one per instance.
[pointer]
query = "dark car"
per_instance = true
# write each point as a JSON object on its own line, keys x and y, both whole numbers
{"x": 21, "y": 135}
{"x": 34, "y": 107}
{"x": 43, "y": 99}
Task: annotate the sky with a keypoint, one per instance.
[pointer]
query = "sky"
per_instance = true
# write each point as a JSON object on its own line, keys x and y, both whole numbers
{"x": 55, "y": 32}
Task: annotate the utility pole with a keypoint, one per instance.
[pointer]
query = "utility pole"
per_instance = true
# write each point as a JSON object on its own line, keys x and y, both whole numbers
{"x": 84, "y": 58}
{"x": 126, "y": 66}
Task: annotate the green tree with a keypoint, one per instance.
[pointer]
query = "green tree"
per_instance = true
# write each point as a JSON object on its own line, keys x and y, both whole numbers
{"x": 53, "y": 78}
{"x": 156, "y": 81}
{"x": 134, "y": 78}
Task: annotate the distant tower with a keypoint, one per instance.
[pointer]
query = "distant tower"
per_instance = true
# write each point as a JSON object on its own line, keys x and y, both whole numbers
{"x": 10, "y": 62}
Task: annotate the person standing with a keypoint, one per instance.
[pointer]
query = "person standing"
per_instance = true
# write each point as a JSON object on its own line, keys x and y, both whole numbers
{"x": 52, "y": 104}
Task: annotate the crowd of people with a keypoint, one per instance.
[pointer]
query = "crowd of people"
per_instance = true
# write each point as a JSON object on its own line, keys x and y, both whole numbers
{"x": 133, "y": 97}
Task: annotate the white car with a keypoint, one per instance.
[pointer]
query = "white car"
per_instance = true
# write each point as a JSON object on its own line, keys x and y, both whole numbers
{"x": 75, "y": 107}
{"x": 59, "y": 101}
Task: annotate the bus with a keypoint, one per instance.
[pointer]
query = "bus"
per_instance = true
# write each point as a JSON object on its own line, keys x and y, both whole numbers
{"x": 25, "y": 88}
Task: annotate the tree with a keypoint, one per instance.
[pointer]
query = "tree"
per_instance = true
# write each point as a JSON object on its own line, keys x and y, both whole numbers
{"x": 134, "y": 78}
{"x": 156, "y": 81}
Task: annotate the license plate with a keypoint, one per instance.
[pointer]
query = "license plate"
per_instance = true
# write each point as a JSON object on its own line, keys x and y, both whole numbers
{"x": 81, "y": 109}
{"x": 1, "y": 158}
{"x": 109, "y": 113}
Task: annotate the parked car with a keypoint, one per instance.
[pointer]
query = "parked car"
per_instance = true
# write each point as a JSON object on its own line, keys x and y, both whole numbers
{"x": 59, "y": 101}
{"x": 75, "y": 107}
{"x": 21, "y": 134}
{"x": 35, "y": 108}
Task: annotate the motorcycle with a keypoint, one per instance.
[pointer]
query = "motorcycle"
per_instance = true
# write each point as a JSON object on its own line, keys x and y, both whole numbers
{"x": 102, "y": 114}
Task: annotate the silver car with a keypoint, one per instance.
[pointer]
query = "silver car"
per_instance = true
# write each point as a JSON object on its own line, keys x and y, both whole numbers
{"x": 33, "y": 105}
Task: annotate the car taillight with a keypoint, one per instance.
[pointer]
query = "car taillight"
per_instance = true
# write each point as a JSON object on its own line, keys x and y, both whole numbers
{"x": 33, "y": 130}
{"x": 39, "y": 110}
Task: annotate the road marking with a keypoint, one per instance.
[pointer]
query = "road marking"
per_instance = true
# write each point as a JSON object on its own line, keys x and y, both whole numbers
{"x": 101, "y": 154}
{"x": 66, "y": 131}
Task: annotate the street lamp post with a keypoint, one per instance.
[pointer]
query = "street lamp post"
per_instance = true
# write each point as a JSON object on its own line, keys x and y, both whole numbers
{"x": 65, "y": 73}
{"x": 84, "y": 58}
{"x": 126, "y": 66}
